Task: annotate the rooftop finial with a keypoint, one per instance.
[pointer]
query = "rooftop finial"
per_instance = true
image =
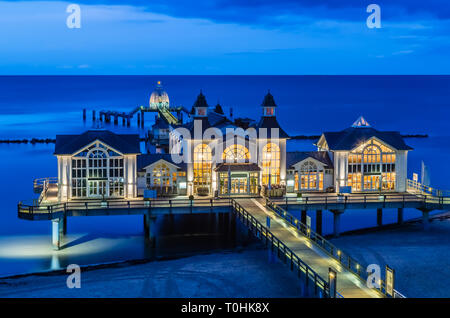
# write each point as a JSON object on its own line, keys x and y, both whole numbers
{"x": 360, "y": 123}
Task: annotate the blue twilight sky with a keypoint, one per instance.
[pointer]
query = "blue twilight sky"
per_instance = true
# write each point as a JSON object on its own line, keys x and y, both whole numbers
{"x": 225, "y": 37}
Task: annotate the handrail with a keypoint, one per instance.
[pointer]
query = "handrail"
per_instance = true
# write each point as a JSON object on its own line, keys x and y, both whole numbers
{"x": 34, "y": 208}
{"x": 40, "y": 182}
{"x": 261, "y": 232}
{"x": 44, "y": 183}
{"x": 343, "y": 258}
{"x": 419, "y": 188}
{"x": 343, "y": 201}
{"x": 310, "y": 202}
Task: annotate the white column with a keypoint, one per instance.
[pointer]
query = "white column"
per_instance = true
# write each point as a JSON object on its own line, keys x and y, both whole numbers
{"x": 283, "y": 161}
{"x": 401, "y": 168}
{"x": 57, "y": 231}
{"x": 340, "y": 169}
{"x": 125, "y": 175}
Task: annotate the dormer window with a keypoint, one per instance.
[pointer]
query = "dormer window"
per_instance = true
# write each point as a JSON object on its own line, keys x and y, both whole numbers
{"x": 269, "y": 111}
{"x": 201, "y": 111}
{"x": 200, "y": 108}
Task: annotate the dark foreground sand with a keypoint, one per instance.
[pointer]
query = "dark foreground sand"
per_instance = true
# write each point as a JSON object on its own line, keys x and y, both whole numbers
{"x": 232, "y": 274}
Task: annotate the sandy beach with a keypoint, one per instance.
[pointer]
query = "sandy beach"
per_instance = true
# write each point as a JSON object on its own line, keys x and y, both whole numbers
{"x": 420, "y": 258}
{"x": 212, "y": 275}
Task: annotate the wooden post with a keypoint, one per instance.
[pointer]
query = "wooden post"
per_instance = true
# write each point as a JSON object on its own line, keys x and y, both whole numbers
{"x": 426, "y": 219}
{"x": 303, "y": 217}
{"x": 336, "y": 223}
{"x": 57, "y": 230}
{"x": 400, "y": 216}
{"x": 319, "y": 222}
{"x": 146, "y": 232}
{"x": 149, "y": 228}
{"x": 379, "y": 217}
{"x": 142, "y": 118}
{"x": 64, "y": 220}
{"x": 93, "y": 115}
{"x": 84, "y": 114}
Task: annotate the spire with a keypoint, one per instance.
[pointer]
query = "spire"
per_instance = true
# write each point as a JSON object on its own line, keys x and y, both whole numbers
{"x": 268, "y": 101}
{"x": 201, "y": 100}
{"x": 268, "y": 105}
{"x": 360, "y": 123}
{"x": 200, "y": 107}
{"x": 218, "y": 109}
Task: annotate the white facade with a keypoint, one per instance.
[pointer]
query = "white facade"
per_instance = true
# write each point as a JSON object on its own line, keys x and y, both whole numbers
{"x": 162, "y": 176}
{"x": 97, "y": 171}
{"x": 372, "y": 166}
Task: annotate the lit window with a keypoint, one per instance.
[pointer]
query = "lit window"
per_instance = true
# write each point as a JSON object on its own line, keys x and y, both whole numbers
{"x": 311, "y": 177}
{"x": 371, "y": 166}
{"x": 202, "y": 166}
{"x": 236, "y": 153}
{"x": 271, "y": 164}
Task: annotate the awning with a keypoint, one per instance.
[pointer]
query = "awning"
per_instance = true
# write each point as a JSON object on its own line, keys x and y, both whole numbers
{"x": 233, "y": 167}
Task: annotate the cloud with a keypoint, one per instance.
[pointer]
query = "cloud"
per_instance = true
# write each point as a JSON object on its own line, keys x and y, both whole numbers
{"x": 220, "y": 37}
{"x": 270, "y": 13}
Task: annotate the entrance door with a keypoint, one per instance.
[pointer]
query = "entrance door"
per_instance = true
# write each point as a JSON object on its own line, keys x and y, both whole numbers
{"x": 372, "y": 182}
{"x": 97, "y": 188}
{"x": 238, "y": 185}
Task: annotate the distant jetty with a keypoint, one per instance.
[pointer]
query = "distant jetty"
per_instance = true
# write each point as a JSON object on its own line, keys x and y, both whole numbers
{"x": 309, "y": 137}
{"x": 28, "y": 141}
{"x": 52, "y": 141}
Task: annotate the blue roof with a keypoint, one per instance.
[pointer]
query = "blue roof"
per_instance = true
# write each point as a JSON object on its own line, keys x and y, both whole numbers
{"x": 147, "y": 159}
{"x": 269, "y": 123}
{"x": 69, "y": 144}
{"x": 296, "y": 156}
{"x": 352, "y": 137}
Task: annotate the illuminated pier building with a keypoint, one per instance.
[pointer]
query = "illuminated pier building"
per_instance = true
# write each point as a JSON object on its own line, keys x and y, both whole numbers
{"x": 220, "y": 158}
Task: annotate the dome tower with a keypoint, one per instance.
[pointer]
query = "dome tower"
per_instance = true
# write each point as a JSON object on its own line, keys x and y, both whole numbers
{"x": 159, "y": 98}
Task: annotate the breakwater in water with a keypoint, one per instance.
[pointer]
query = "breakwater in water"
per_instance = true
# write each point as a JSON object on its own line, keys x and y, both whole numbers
{"x": 52, "y": 140}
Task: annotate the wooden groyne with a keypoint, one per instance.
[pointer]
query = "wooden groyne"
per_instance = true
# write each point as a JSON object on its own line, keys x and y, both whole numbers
{"x": 314, "y": 137}
{"x": 28, "y": 141}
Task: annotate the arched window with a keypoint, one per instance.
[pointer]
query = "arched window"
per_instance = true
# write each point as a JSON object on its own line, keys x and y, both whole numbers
{"x": 311, "y": 178}
{"x": 97, "y": 171}
{"x": 236, "y": 153}
{"x": 372, "y": 167}
{"x": 161, "y": 175}
{"x": 98, "y": 164}
{"x": 202, "y": 167}
{"x": 271, "y": 164}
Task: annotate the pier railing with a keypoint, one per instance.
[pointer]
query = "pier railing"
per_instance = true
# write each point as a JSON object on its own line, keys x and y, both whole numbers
{"x": 313, "y": 282}
{"x": 31, "y": 208}
{"x": 363, "y": 201}
{"x": 40, "y": 183}
{"x": 313, "y": 202}
{"x": 344, "y": 259}
{"x": 419, "y": 188}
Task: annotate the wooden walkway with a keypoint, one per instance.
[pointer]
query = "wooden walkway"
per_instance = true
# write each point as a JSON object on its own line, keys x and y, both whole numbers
{"x": 348, "y": 284}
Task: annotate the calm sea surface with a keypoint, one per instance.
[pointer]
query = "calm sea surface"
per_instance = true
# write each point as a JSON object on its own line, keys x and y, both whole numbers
{"x": 42, "y": 107}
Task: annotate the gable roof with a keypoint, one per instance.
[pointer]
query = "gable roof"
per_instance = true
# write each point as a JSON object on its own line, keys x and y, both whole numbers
{"x": 296, "y": 156}
{"x": 269, "y": 123}
{"x": 69, "y": 144}
{"x": 352, "y": 137}
{"x": 269, "y": 101}
{"x": 145, "y": 160}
